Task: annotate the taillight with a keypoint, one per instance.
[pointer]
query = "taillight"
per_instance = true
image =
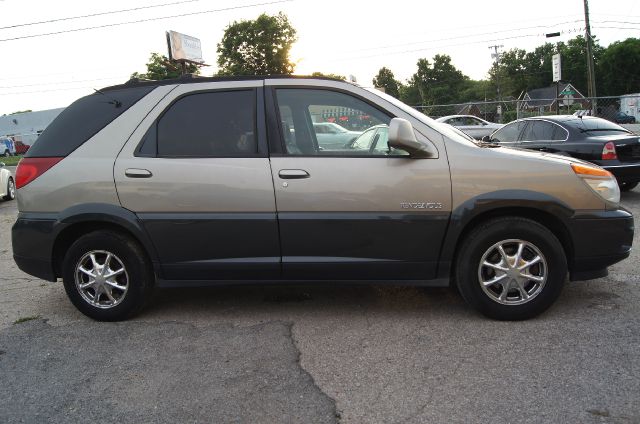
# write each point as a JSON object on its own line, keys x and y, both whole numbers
{"x": 609, "y": 151}
{"x": 31, "y": 168}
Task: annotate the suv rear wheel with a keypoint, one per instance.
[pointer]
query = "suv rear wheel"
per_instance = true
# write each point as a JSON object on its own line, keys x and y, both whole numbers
{"x": 106, "y": 275}
{"x": 511, "y": 268}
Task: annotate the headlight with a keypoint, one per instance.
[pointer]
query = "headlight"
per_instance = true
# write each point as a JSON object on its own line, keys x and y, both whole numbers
{"x": 599, "y": 180}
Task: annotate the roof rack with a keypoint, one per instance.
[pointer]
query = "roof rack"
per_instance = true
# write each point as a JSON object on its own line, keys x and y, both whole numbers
{"x": 193, "y": 78}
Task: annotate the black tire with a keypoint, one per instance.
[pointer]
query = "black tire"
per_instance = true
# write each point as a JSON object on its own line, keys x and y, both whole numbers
{"x": 7, "y": 153}
{"x": 11, "y": 190}
{"x": 628, "y": 186}
{"x": 130, "y": 255}
{"x": 479, "y": 243}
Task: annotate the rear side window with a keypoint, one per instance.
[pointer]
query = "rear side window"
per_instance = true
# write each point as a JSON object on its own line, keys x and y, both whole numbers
{"x": 83, "y": 119}
{"x": 211, "y": 124}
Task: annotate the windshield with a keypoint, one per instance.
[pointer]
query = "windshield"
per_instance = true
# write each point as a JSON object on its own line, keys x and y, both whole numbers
{"x": 597, "y": 125}
{"x": 442, "y": 128}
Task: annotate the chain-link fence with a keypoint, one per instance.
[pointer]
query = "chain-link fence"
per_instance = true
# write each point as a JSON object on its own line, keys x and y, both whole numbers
{"x": 620, "y": 109}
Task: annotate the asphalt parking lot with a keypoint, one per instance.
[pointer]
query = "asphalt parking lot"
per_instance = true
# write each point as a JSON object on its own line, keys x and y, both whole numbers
{"x": 319, "y": 354}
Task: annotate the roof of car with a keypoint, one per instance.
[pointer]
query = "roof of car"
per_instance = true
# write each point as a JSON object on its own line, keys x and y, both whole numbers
{"x": 562, "y": 118}
{"x": 191, "y": 79}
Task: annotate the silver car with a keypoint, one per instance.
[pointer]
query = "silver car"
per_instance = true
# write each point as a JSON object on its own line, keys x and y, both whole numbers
{"x": 332, "y": 136}
{"x": 137, "y": 187}
{"x": 471, "y": 125}
{"x": 7, "y": 184}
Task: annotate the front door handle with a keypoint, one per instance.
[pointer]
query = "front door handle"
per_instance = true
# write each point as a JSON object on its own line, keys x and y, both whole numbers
{"x": 137, "y": 173}
{"x": 293, "y": 174}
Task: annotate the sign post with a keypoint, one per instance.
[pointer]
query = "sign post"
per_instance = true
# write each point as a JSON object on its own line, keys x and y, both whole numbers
{"x": 556, "y": 67}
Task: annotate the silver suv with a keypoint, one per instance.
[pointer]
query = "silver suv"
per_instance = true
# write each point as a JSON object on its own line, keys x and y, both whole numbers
{"x": 221, "y": 181}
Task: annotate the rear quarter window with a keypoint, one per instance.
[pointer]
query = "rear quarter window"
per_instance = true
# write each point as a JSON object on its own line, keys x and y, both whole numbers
{"x": 83, "y": 119}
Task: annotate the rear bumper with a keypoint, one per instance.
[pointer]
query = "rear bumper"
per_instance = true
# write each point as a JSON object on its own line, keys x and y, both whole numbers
{"x": 600, "y": 239}
{"x": 32, "y": 241}
{"x": 625, "y": 173}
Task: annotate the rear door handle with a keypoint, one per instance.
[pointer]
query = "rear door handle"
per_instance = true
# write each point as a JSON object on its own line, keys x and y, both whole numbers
{"x": 293, "y": 174}
{"x": 137, "y": 173}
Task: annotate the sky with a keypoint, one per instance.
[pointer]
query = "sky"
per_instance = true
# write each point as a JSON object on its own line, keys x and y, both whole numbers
{"x": 348, "y": 38}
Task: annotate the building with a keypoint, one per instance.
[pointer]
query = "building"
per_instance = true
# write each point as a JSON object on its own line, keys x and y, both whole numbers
{"x": 630, "y": 104}
{"x": 544, "y": 99}
{"x": 27, "y": 126}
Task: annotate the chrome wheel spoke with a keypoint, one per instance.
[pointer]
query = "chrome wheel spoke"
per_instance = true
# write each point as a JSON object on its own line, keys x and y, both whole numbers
{"x": 111, "y": 273}
{"x": 109, "y": 294}
{"x": 530, "y": 263}
{"x": 87, "y": 285}
{"x": 497, "y": 267}
{"x": 494, "y": 280}
{"x": 86, "y": 271}
{"x": 536, "y": 278}
{"x": 115, "y": 285}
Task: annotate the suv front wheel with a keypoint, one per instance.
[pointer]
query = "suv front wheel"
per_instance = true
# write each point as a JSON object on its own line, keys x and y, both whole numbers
{"x": 511, "y": 268}
{"x": 106, "y": 275}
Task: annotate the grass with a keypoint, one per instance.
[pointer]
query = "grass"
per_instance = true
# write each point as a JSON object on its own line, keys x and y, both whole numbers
{"x": 25, "y": 319}
{"x": 10, "y": 160}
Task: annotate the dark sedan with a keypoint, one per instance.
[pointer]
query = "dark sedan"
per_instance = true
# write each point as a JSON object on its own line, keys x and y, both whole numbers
{"x": 596, "y": 140}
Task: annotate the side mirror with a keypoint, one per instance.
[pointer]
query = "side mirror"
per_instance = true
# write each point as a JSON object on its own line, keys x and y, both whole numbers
{"x": 401, "y": 136}
{"x": 487, "y": 139}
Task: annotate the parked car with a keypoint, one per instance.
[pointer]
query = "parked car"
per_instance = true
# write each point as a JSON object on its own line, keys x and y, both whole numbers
{"x": 596, "y": 140}
{"x": 373, "y": 140}
{"x": 332, "y": 136}
{"x": 7, "y": 185}
{"x": 623, "y": 118}
{"x": 21, "y": 148}
{"x": 7, "y": 146}
{"x": 471, "y": 125}
{"x": 151, "y": 192}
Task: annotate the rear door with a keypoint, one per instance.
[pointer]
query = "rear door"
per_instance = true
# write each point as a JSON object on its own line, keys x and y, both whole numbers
{"x": 196, "y": 173}
{"x": 364, "y": 212}
{"x": 544, "y": 136}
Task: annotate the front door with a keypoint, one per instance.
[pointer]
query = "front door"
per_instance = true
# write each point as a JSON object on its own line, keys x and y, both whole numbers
{"x": 361, "y": 211}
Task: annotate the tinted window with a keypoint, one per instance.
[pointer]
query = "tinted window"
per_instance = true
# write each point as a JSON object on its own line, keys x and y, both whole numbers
{"x": 509, "y": 133}
{"x": 350, "y": 116}
{"x": 596, "y": 126}
{"x": 538, "y": 131}
{"x": 83, "y": 119}
{"x": 210, "y": 124}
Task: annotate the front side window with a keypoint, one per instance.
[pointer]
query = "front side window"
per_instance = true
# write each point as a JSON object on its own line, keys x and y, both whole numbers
{"x": 509, "y": 133}
{"x": 354, "y": 123}
{"x": 211, "y": 124}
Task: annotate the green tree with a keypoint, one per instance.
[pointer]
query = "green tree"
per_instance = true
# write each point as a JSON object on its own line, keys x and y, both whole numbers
{"x": 257, "y": 47}
{"x": 334, "y": 76}
{"x": 619, "y": 68}
{"x": 439, "y": 82}
{"x": 385, "y": 79}
{"x": 160, "y": 67}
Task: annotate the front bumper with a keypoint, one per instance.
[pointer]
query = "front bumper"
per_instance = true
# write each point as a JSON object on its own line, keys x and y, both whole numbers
{"x": 600, "y": 239}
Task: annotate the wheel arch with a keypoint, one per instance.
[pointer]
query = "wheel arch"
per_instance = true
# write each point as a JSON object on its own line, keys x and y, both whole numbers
{"x": 77, "y": 221}
{"x": 545, "y": 210}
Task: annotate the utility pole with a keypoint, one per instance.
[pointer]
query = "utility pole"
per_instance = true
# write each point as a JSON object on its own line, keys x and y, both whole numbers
{"x": 591, "y": 74}
{"x": 496, "y": 56}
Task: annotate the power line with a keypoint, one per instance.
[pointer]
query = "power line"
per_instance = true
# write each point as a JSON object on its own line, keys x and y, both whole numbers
{"x": 466, "y": 36}
{"x": 91, "y": 15}
{"x": 146, "y": 20}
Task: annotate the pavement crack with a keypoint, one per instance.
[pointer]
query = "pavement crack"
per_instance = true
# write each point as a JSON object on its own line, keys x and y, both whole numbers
{"x": 294, "y": 342}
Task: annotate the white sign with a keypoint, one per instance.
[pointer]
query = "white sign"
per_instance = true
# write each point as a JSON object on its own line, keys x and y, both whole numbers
{"x": 556, "y": 66}
{"x": 184, "y": 47}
